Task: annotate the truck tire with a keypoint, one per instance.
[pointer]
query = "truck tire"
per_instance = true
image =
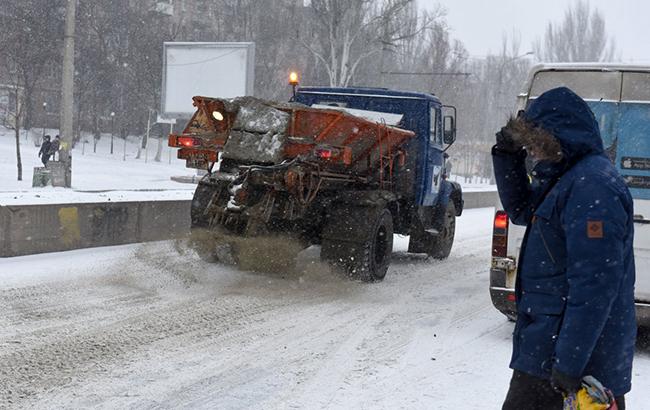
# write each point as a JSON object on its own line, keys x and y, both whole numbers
{"x": 436, "y": 245}
{"x": 366, "y": 260}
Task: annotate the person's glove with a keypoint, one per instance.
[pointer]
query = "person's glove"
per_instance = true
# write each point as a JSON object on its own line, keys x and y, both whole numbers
{"x": 506, "y": 143}
{"x": 564, "y": 383}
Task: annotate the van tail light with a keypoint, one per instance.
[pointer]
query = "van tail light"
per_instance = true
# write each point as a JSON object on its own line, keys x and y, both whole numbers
{"x": 500, "y": 234}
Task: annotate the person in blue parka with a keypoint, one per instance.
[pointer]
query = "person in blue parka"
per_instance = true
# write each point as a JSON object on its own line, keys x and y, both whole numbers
{"x": 575, "y": 279}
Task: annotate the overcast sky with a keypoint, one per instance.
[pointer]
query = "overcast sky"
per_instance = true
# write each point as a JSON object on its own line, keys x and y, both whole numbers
{"x": 480, "y": 24}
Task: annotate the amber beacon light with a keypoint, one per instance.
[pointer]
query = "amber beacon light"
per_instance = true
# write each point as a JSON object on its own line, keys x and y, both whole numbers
{"x": 293, "y": 78}
{"x": 293, "y": 81}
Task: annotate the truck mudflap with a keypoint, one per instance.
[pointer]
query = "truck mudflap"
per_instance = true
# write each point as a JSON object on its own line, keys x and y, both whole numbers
{"x": 451, "y": 191}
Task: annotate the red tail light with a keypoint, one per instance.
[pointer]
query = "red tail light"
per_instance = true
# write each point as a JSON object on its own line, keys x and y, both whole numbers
{"x": 501, "y": 220}
{"x": 188, "y": 141}
{"x": 500, "y": 235}
{"x": 325, "y": 153}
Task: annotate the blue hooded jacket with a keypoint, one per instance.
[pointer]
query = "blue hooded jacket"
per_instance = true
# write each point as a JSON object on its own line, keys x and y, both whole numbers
{"x": 575, "y": 283}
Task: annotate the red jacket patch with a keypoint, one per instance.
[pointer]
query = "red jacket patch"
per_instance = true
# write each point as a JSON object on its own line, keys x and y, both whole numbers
{"x": 595, "y": 229}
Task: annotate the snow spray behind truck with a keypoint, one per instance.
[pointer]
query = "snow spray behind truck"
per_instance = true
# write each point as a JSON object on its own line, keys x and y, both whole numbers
{"x": 341, "y": 167}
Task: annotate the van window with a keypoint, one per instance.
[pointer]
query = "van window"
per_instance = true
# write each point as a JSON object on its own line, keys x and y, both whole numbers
{"x": 636, "y": 87}
{"x": 590, "y": 85}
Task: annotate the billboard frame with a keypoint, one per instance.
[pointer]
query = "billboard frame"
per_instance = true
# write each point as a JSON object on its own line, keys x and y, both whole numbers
{"x": 250, "y": 69}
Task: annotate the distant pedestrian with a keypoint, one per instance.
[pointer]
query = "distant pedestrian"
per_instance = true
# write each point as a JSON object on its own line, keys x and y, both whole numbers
{"x": 54, "y": 148}
{"x": 44, "y": 152}
{"x": 575, "y": 284}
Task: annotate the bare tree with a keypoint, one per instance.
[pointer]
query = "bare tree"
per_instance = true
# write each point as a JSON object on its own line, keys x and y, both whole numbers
{"x": 349, "y": 32}
{"x": 581, "y": 36}
{"x": 29, "y": 42}
{"x": 13, "y": 120}
{"x": 489, "y": 94}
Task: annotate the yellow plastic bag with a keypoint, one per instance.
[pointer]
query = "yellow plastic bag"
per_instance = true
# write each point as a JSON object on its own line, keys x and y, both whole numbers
{"x": 591, "y": 396}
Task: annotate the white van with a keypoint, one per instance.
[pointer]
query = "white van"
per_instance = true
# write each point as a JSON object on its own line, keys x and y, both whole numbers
{"x": 619, "y": 96}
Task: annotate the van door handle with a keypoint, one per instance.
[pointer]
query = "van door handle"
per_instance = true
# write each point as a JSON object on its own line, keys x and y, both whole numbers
{"x": 639, "y": 219}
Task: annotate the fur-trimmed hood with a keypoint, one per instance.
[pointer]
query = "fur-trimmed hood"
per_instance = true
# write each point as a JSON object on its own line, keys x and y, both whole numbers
{"x": 539, "y": 142}
{"x": 568, "y": 118}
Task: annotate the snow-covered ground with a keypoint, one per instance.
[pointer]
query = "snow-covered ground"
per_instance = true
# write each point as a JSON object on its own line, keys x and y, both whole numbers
{"x": 99, "y": 171}
{"x": 152, "y": 326}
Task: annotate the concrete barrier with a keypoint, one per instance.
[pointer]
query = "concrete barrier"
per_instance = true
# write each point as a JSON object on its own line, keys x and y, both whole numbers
{"x": 31, "y": 229}
{"x": 480, "y": 199}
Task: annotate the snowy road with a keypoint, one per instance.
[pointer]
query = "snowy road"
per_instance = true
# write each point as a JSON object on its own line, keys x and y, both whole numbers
{"x": 144, "y": 326}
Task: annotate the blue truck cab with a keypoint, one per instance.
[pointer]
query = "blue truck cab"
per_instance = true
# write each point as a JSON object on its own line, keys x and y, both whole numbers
{"x": 434, "y": 125}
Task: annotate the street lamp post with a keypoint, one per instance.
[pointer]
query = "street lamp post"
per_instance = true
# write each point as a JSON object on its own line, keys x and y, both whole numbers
{"x": 508, "y": 61}
{"x": 146, "y": 139}
{"x": 112, "y": 124}
{"x": 44, "y": 119}
{"x": 502, "y": 67}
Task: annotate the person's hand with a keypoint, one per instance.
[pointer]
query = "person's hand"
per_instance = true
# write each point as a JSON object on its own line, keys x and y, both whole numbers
{"x": 564, "y": 383}
{"x": 506, "y": 143}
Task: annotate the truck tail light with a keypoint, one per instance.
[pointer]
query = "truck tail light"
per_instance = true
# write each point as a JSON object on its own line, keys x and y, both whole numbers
{"x": 329, "y": 153}
{"x": 325, "y": 153}
{"x": 188, "y": 142}
{"x": 500, "y": 234}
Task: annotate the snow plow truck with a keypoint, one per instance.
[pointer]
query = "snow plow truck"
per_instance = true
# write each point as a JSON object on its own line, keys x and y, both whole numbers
{"x": 343, "y": 168}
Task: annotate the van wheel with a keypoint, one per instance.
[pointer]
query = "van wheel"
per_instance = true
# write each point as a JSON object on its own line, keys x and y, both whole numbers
{"x": 436, "y": 245}
{"x": 368, "y": 260}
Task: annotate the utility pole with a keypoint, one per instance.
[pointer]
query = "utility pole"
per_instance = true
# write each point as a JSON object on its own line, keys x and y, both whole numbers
{"x": 112, "y": 129}
{"x": 67, "y": 89}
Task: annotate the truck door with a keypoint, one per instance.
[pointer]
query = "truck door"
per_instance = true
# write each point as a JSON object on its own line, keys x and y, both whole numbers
{"x": 434, "y": 161}
{"x": 633, "y": 162}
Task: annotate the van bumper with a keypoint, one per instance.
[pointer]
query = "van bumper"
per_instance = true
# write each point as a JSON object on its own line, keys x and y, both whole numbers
{"x": 643, "y": 314}
{"x": 503, "y": 298}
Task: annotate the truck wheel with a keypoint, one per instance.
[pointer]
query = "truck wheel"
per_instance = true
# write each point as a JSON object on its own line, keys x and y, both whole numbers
{"x": 368, "y": 260}
{"x": 438, "y": 245}
{"x": 445, "y": 239}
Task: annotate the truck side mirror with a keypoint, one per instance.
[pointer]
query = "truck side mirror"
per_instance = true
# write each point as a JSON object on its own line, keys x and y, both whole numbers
{"x": 449, "y": 135}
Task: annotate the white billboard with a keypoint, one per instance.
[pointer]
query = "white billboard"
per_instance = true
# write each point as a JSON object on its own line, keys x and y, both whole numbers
{"x": 224, "y": 70}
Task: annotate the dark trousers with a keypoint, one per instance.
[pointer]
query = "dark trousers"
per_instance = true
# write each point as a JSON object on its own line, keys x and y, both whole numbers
{"x": 532, "y": 393}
